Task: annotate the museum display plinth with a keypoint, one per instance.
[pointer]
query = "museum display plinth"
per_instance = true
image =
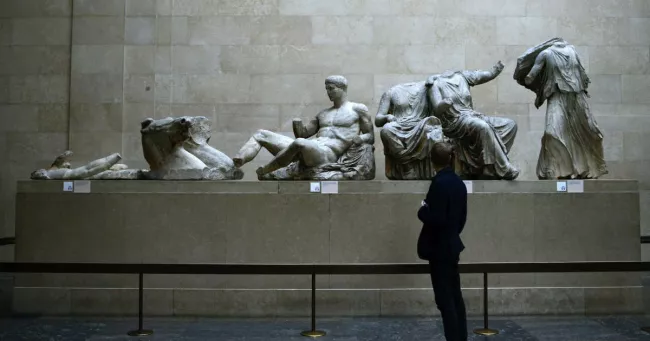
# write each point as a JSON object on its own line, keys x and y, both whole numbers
{"x": 282, "y": 222}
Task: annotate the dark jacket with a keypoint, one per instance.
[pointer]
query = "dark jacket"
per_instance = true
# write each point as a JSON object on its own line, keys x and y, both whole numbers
{"x": 443, "y": 217}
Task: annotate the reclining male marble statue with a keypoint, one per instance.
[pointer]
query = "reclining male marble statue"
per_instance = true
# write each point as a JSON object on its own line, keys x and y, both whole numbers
{"x": 482, "y": 142}
{"x": 337, "y": 144}
{"x": 174, "y": 148}
{"x": 572, "y": 144}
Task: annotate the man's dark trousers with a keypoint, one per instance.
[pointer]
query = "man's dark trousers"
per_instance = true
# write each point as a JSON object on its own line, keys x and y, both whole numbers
{"x": 449, "y": 299}
{"x": 443, "y": 215}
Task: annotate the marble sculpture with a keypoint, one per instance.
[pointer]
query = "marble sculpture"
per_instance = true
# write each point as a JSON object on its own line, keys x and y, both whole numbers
{"x": 60, "y": 168}
{"x": 409, "y": 129}
{"x": 482, "y": 142}
{"x": 175, "y": 148}
{"x": 415, "y": 116}
{"x": 572, "y": 144}
{"x": 178, "y": 149}
{"x": 336, "y": 144}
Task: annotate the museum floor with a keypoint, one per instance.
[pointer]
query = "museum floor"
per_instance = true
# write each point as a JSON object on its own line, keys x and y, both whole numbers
{"x": 615, "y": 328}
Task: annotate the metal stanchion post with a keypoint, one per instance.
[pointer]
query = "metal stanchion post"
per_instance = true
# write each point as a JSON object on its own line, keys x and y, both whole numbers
{"x": 645, "y": 283}
{"x": 485, "y": 331}
{"x": 313, "y": 332}
{"x": 140, "y": 331}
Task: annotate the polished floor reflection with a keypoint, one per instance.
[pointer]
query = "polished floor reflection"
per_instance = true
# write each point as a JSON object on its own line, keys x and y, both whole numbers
{"x": 617, "y": 328}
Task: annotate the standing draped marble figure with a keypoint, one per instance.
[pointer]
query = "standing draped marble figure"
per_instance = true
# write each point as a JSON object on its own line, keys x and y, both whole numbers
{"x": 482, "y": 142}
{"x": 572, "y": 145}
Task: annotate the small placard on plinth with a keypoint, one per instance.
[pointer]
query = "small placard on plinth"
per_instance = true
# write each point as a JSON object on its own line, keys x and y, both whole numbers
{"x": 561, "y": 186}
{"x": 575, "y": 186}
{"x": 329, "y": 187}
{"x": 68, "y": 186}
{"x": 82, "y": 186}
{"x": 470, "y": 186}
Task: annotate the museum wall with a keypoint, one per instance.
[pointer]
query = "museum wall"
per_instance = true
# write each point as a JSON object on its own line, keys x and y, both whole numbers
{"x": 83, "y": 75}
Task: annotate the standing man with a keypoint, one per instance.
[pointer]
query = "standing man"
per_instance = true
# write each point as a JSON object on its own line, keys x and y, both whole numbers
{"x": 443, "y": 214}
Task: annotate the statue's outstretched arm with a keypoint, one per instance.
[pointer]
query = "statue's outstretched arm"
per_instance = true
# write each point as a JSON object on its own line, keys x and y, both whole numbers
{"x": 478, "y": 77}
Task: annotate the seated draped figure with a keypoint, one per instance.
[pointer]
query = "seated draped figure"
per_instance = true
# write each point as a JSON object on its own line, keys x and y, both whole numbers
{"x": 482, "y": 142}
{"x": 409, "y": 130}
{"x": 336, "y": 144}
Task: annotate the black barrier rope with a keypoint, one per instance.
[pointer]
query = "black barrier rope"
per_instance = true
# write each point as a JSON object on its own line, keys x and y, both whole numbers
{"x": 7, "y": 241}
{"x": 319, "y": 269}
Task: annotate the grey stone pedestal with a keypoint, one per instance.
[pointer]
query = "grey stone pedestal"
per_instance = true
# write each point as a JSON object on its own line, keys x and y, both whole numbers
{"x": 282, "y": 222}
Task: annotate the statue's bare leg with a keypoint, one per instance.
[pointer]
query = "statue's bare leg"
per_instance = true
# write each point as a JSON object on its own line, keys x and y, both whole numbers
{"x": 311, "y": 154}
{"x": 96, "y": 167}
{"x": 273, "y": 142}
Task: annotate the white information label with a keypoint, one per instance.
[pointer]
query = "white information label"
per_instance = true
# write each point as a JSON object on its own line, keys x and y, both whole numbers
{"x": 82, "y": 186}
{"x": 68, "y": 186}
{"x": 575, "y": 186}
{"x": 329, "y": 187}
{"x": 470, "y": 186}
{"x": 561, "y": 186}
{"x": 314, "y": 187}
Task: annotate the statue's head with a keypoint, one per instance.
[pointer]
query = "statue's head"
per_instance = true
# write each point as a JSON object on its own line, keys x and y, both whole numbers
{"x": 337, "y": 87}
{"x": 176, "y": 130}
{"x": 161, "y": 137}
